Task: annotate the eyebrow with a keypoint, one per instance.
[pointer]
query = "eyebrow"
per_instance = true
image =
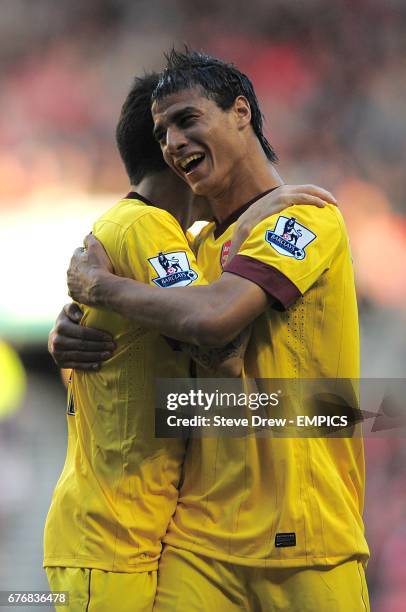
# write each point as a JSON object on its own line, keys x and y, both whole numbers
{"x": 173, "y": 118}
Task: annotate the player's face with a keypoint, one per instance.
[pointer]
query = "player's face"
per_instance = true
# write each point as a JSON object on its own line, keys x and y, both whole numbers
{"x": 199, "y": 141}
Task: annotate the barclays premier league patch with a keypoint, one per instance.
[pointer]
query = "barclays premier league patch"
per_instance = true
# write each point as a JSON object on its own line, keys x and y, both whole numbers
{"x": 173, "y": 270}
{"x": 290, "y": 237}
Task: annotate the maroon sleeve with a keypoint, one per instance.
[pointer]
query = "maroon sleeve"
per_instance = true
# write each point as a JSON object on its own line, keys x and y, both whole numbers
{"x": 270, "y": 279}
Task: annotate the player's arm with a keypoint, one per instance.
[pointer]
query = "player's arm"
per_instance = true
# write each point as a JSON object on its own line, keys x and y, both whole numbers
{"x": 225, "y": 361}
{"x": 211, "y": 315}
{"x": 267, "y": 206}
{"x": 205, "y": 315}
{"x": 149, "y": 249}
{"x": 72, "y": 345}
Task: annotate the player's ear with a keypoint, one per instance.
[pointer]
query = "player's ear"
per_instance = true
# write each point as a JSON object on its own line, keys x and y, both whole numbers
{"x": 242, "y": 111}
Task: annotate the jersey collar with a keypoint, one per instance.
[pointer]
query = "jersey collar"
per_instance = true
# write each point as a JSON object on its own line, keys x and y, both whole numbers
{"x": 221, "y": 227}
{"x": 133, "y": 195}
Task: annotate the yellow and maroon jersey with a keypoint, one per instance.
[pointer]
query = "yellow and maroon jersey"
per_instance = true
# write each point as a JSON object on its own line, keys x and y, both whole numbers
{"x": 270, "y": 501}
{"x": 118, "y": 489}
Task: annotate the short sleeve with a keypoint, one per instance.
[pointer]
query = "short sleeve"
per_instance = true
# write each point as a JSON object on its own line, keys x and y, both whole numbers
{"x": 285, "y": 254}
{"x": 155, "y": 250}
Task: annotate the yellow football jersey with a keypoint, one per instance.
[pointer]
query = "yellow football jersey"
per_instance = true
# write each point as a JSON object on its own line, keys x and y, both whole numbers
{"x": 118, "y": 489}
{"x": 282, "y": 502}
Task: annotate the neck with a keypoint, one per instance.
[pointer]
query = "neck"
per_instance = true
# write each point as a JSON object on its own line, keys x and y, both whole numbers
{"x": 167, "y": 194}
{"x": 254, "y": 175}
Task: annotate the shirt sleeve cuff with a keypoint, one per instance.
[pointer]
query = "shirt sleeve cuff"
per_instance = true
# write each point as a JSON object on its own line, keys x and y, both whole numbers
{"x": 270, "y": 279}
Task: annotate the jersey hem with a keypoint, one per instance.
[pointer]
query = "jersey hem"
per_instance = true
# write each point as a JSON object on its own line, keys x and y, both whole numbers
{"x": 306, "y": 561}
{"x": 89, "y": 562}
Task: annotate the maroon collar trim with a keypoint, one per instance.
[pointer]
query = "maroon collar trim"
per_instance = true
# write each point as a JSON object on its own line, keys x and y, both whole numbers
{"x": 221, "y": 227}
{"x": 133, "y": 195}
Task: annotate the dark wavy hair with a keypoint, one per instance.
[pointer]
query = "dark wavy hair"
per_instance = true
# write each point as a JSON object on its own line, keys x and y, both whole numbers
{"x": 138, "y": 148}
{"x": 220, "y": 81}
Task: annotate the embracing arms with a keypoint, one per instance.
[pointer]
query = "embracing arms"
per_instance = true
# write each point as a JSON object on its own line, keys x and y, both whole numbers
{"x": 208, "y": 315}
{"x": 217, "y": 317}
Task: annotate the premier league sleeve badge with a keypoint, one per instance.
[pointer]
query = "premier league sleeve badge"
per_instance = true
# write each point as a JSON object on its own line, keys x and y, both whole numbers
{"x": 289, "y": 237}
{"x": 173, "y": 269}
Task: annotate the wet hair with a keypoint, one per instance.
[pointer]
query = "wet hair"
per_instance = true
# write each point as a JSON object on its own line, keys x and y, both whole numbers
{"x": 220, "y": 81}
{"x": 138, "y": 148}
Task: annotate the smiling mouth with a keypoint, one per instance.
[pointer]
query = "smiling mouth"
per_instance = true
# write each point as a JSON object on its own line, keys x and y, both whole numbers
{"x": 190, "y": 163}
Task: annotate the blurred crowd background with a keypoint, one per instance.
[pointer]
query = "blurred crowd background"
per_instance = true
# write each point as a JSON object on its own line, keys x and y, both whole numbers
{"x": 331, "y": 79}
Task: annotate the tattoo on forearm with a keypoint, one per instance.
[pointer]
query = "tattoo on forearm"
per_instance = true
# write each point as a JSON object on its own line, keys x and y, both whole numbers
{"x": 212, "y": 358}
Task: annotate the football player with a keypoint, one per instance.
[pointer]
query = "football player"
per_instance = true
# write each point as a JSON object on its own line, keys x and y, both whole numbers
{"x": 260, "y": 522}
{"x": 118, "y": 488}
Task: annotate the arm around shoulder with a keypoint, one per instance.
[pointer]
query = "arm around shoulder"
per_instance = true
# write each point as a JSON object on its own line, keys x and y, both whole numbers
{"x": 210, "y": 316}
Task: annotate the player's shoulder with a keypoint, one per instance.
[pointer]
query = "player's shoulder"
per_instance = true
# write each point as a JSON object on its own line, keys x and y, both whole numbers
{"x": 299, "y": 217}
{"x": 322, "y": 215}
{"x": 291, "y": 230}
{"x": 129, "y": 213}
{"x": 323, "y": 221}
{"x": 307, "y": 212}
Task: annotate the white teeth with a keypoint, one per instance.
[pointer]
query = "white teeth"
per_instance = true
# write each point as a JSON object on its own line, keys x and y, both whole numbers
{"x": 183, "y": 164}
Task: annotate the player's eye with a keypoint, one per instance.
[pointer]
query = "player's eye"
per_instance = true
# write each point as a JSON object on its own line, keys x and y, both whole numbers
{"x": 187, "y": 120}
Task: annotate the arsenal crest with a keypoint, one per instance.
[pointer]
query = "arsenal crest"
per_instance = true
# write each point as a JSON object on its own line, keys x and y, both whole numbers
{"x": 225, "y": 249}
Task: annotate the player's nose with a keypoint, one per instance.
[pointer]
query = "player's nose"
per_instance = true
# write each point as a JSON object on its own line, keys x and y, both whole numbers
{"x": 175, "y": 140}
